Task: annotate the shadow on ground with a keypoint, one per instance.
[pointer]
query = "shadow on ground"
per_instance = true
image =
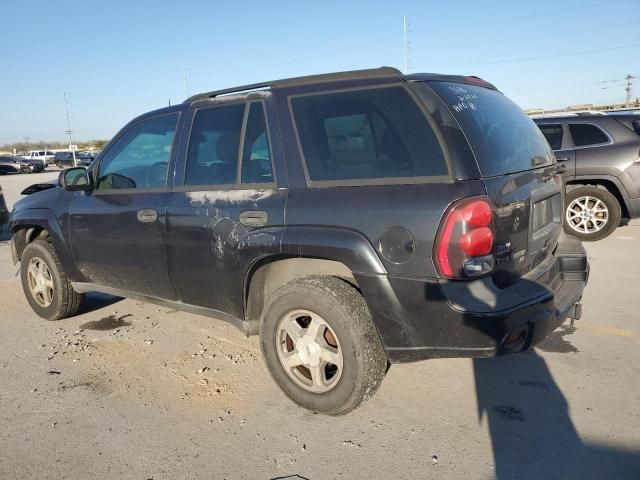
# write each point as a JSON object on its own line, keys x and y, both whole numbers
{"x": 95, "y": 301}
{"x": 530, "y": 426}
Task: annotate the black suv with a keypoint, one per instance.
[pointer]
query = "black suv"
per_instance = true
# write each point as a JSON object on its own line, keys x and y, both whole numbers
{"x": 351, "y": 219}
{"x": 601, "y": 154}
{"x": 65, "y": 159}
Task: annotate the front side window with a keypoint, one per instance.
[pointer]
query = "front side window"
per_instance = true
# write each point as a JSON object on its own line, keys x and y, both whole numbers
{"x": 140, "y": 157}
{"x": 375, "y": 133}
{"x": 585, "y": 134}
{"x": 553, "y": 134}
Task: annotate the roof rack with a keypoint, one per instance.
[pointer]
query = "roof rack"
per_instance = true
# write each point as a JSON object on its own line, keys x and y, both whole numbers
{"x": 382, "y": 72}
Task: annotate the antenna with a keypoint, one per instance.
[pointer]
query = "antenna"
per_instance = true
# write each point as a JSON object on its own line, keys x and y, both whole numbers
{"x": 187, "y": 82}
{"x": 405, "y": 43}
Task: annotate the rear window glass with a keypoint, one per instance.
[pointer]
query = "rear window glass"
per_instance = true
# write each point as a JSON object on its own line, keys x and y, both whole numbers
{"x": 503, "y": 138}
{"x": 584, "y": 134}
{"x": 553, "y": 134}
{"x": 366, "y": 134}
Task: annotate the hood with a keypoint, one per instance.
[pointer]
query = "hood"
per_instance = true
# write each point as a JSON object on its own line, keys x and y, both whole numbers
{"x": 39, "y": 195}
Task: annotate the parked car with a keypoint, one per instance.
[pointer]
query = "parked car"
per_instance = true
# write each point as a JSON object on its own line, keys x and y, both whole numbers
{"x": 32, "y": 165}
{"x": 349, "y": 219}
{"x": 4, "y": 211}
{"x": 84, "y": 158}
{"x": 9, "y": 164}
{"x": 64, "y": 159}
{"x": 601, "y": 154}
{"x": 44, "y": 155}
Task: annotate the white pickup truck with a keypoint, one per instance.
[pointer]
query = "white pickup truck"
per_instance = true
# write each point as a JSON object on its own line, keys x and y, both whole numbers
{"x": 45, "y": 155}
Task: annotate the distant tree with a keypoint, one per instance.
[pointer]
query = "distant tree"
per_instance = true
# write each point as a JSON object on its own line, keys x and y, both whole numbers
{"x": 41, "y": 145}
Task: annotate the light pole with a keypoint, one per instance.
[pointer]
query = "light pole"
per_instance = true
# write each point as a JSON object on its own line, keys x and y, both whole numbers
{"x": 67, "y": 105}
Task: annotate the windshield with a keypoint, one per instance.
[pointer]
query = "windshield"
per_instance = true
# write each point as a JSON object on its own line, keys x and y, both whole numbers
{"x": 503, "y": 138}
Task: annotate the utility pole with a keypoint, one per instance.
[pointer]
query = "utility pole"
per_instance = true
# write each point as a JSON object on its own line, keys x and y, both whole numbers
{"x": 405, "y": 43}
{"x": 67, "y": 107}
{"x": 628, "y": 78}
{"x": 26, "y": 139}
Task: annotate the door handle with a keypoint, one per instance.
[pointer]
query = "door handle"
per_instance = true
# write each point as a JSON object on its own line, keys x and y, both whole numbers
{"x": 147, "y": 215}
{"x": 562, "y": 159}
{"x": 254, "y": 218}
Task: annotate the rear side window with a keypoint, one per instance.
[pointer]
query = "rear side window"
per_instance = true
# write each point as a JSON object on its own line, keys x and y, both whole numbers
{"x": 503, "y": 138}
{"x": 553, "y": 134}
{"x": 212, "y": 158}
{"x": 256, "y": 153}
{"x": 584, "y": 134}
{"x": 214, "y": 146}
{"x": 372, "y": 134}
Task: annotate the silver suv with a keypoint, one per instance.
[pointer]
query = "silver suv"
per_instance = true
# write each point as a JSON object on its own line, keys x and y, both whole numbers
{"x": 601, "y": 154}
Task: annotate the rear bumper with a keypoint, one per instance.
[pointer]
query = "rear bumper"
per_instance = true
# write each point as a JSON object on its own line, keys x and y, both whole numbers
{"x": 427, "y": 318}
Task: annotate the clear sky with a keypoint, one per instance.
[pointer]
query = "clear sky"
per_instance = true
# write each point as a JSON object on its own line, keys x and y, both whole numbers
{"x": 118, "y": 59}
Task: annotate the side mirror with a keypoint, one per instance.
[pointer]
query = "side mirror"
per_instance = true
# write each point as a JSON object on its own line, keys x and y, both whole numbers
{"x": 74, "y": 179}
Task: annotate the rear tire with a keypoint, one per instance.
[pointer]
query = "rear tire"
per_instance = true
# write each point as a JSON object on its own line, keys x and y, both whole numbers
{"x": 344, "y": 333}
{"x": 591, "y": 213}
{"x": 45, "y": 284}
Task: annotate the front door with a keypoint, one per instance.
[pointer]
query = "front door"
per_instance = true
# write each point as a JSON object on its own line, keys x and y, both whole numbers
{"x": 226, "y": 210}
{"x": 117, "y": 231}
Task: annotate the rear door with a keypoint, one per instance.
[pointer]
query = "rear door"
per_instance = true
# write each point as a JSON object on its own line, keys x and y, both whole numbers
{"x": 226, "y": 210}
{"x": 591, "y": 143}
{"x": 519, "y": 171}
{"x": 559, "y": 140}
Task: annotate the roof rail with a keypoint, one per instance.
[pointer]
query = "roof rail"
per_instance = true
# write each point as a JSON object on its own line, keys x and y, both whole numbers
{"x": 382, "y": 72}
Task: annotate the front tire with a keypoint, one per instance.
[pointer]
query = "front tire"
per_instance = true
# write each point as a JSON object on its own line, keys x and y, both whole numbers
{"x": 591, "y": 213}
{"x": 321, "y": 346}
{"x": 45, "y": 284}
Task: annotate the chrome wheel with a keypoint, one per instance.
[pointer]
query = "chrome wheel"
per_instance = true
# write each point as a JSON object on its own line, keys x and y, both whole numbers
{"x": 309, "y": 351}
{"x": 40, "y": 282}
{"x": 587, "y": 215}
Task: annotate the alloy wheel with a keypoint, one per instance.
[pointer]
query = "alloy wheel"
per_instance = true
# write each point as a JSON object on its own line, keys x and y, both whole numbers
{"x": 309, "y": 351}
{"x": 40, "y": 282}
{"x": 587, "y": 215}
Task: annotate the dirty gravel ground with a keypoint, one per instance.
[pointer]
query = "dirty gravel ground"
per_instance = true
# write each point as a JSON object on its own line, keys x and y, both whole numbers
{"x": 128, "y": 390}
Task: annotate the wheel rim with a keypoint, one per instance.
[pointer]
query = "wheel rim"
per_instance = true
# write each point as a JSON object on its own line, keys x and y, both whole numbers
{"x": 309, "y": 351}
{"x": 587, "y": 215}
{"x": 40, "y": 282}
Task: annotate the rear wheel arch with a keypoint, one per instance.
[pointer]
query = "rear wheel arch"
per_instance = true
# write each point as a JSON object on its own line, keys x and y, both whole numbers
{"x": 271, "y": 273}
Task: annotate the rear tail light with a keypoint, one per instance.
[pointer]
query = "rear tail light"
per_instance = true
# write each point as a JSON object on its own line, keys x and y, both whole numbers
{"x": 464, "y": 242}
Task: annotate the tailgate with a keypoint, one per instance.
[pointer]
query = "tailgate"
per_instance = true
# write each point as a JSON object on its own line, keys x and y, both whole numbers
{"x": 528, "y": 220}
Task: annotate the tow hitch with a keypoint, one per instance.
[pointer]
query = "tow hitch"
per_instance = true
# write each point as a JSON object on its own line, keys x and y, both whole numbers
{"x": 575, "y": 313}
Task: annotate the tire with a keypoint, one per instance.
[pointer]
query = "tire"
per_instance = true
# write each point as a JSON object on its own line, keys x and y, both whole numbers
{"x": 64, "y": 300}
{"x": 347, "y": 326}
{"x": 585, "y": 201}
